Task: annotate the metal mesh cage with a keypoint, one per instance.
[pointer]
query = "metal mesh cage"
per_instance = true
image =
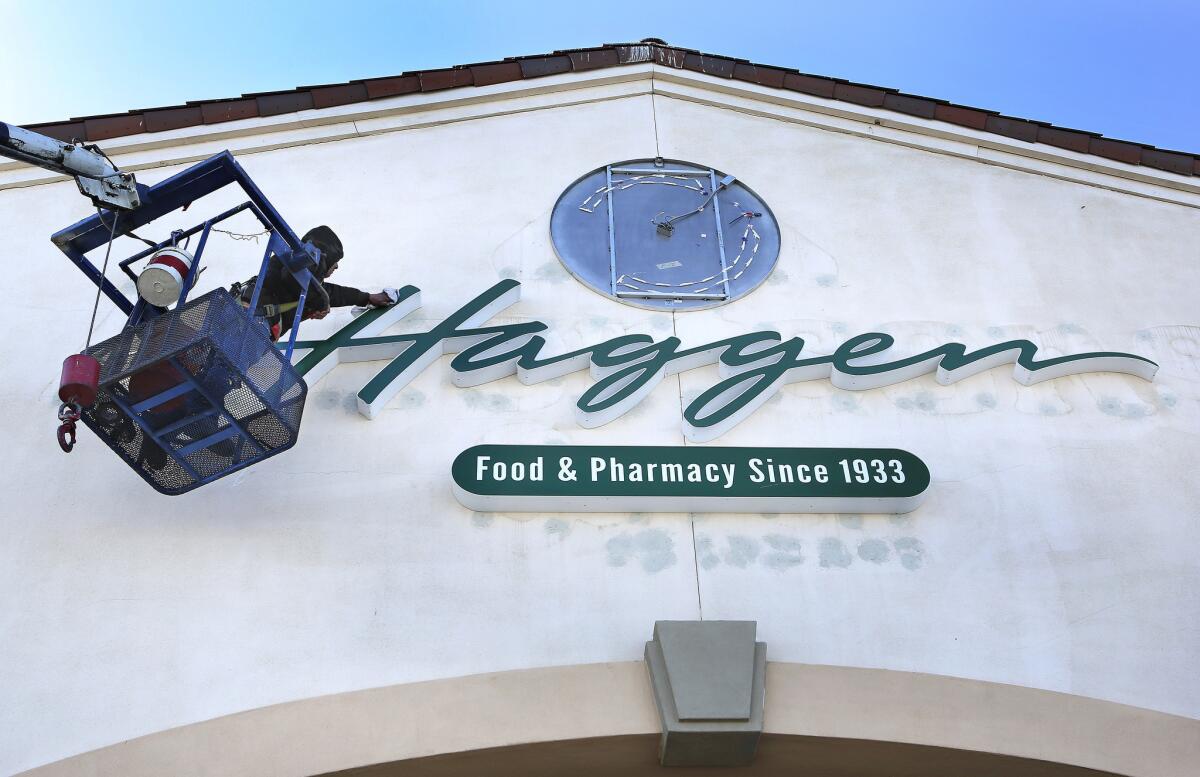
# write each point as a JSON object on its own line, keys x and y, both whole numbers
{"x": 195, "y": 394}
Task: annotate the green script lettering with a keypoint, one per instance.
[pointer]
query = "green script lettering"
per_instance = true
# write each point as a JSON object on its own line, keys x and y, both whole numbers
{"x": 627, "y": 368}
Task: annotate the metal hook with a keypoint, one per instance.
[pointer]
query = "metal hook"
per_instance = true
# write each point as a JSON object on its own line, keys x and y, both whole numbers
{"x": 68, "y": 413}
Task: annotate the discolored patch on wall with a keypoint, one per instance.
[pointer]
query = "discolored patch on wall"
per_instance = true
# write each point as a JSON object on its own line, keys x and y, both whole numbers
{"x": 409, "y": 399}
{"x": 833, "y": 553}
{"x": 851, "y": 521}
{"x": 911, "y": 552}
{"x": 874, "y": 551}
{"x": 922, "y": 401}
{"x": 706, "y": 556}
{"x": 327, "y": 399}
{"x": 653, "y": 549}
{"x": 552, "y": 272}
{"x": 1128, "y": 410}
{"x": 784, "y": 553}
{"x": 845, "y": 403}
{"x": 492, "y": 402}
{"x": 742, "y": 551}
{"x": 557, "y": 527}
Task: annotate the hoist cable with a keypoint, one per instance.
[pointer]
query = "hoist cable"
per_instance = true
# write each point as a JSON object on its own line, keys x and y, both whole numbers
{"x": 103, "y": 275}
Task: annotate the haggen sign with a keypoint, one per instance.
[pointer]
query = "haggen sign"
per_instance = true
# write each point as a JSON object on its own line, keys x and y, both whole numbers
{"x": 753, "y": 367}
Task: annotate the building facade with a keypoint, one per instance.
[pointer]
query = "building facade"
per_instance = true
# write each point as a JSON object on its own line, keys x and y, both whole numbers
{"x": 337, "y": 609}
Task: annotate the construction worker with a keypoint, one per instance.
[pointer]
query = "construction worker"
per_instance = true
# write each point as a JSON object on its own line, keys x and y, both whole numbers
{"x": 281, "y": 293}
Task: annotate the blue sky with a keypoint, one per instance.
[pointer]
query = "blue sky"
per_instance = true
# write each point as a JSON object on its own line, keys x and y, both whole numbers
{"x": 1125, "y": 69}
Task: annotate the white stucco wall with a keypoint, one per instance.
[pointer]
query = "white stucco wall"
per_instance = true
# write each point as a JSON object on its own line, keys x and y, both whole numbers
{"x": 1057, "y": 548}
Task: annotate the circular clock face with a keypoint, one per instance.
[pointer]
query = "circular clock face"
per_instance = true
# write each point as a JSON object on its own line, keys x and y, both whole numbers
{"x": 665, "y": 234}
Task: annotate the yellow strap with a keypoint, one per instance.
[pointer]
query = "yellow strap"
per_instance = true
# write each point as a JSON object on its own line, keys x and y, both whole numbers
{"x": 278, "y": 308}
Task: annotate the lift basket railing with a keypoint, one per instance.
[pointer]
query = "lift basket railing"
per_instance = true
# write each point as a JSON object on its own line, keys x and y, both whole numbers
{"x": 195, "y": 394}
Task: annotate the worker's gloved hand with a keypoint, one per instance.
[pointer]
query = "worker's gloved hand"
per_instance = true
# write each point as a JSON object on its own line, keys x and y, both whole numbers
{"x": 385, "y": 298}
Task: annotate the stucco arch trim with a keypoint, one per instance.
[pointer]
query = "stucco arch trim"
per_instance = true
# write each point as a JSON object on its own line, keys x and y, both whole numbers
{"x": 600, "y": 719}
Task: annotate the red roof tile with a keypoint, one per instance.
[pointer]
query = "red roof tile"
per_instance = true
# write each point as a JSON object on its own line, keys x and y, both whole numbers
{"x": 913, "y": 106}
{"x": 962, "y": 116}
{"x": 445, "y": 78}
{"x": 218, "y": 111}
{"x": 163, "y": 119}
{"x": 342, "y": 94}
{"x": 275, "y": 103}
{"x": 390, "y": 87}
{"x": 814, "y": 85}
{"x": 1072, "y": 140}
{"x": 1012, "y": 128}
{"x": 496, "y": 73}
{"x": 248, "y": 106}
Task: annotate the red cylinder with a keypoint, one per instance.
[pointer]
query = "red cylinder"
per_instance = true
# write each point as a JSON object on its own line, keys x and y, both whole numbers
{"x": 80, "y": 380}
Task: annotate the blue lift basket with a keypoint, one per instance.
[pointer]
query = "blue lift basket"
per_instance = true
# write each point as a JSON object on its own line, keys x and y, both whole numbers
{"x": 198, "y": 391}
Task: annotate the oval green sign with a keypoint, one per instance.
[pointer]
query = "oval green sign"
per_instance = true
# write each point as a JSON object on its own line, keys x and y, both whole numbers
{"x": 612, "y": 478}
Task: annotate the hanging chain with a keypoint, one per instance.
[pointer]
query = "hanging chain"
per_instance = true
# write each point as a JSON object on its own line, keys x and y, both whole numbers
{"x": 240, "y": 236}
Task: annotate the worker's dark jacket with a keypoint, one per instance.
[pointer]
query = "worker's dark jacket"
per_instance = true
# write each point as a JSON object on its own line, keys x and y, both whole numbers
{"x": 280, "y": 289}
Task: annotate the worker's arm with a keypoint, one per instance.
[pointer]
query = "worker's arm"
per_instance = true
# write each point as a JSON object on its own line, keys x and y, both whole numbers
{"x": 342, "y": 296}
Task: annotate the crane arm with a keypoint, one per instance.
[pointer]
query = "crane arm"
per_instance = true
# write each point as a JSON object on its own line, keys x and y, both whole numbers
{"x": 98, "y": 178}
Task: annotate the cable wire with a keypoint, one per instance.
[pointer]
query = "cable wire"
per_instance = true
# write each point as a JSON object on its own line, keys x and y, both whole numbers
{"x": 103, "y": 274}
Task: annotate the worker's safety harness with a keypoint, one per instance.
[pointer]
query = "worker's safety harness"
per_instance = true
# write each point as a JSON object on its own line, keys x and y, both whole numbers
{"x": 244, "y": 292}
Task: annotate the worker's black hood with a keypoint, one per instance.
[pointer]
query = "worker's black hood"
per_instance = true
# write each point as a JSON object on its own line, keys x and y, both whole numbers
{"x": 327, "y": 241}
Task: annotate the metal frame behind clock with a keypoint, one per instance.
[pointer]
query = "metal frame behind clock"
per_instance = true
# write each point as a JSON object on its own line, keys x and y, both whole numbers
{"x": 591, "y": 250}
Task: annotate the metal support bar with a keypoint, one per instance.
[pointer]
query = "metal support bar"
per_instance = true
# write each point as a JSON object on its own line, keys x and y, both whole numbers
{"x": 612, "y": 235}
{"x": 216, "y": 402}
{"x": 152, "y": 436}
{"x": 298, "y": 258}
{"x": 170, "y": 429}
{"x": 187, "y": 233}
{"x": 657, "y": 171}
{"x": 267, "y": 210}
{"x": 204, "y": 442}
{"x": 136, "y": 315}
{"x": 262, "y": 275}
{"x": 177, "y": 390}
{"x": 194, "y": 270}
{"x": 124, "y": 264}
{"x": 93, "y": 274}
{"x": 667, "y": 295}
{"x": 297, "y": 317}
{"x": 720, "y": 232}
{"x": 173, "y": 194}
